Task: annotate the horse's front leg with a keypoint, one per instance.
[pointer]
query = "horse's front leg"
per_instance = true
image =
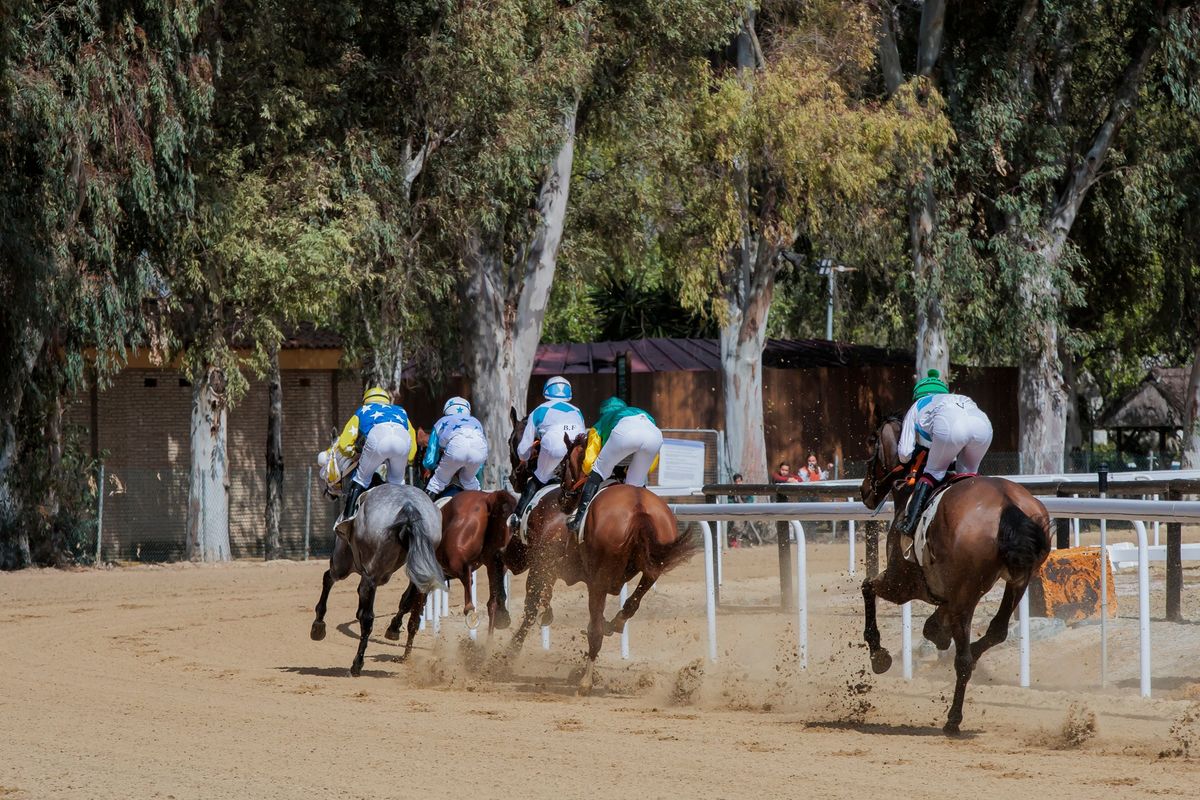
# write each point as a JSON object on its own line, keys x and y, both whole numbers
{"x": 881, "y": 660}
{"x": 964, "y": 664}
{"x": 393, "y": 629}
{"x": 366, "y": 620}
{"x": 341, "y": 562}
{"x": 416, "y": 606}
{"x": 997, "y": 630}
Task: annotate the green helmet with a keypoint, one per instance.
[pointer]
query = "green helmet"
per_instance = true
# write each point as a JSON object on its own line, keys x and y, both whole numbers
{"x": 931, "y": 384}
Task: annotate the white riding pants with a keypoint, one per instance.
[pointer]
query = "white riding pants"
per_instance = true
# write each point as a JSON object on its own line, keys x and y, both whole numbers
{"x": 955, "y": 433}
{"x": 462, "y": 457}
{"x": 633, "y": 436}
{"x": 387, "y": 443}
{"x": 553, "y": 450}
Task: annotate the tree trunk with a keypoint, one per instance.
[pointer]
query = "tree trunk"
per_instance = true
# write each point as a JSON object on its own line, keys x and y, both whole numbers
{"x": 1191, "y": 400}
{"x": 504, "y": 307}
{"x": 1074, "y": 423}
{"x": 1042, "y": 399}
{"x": 742, "y": 341}
{"x": 54, "y": 455}
{"x": 273, "y": 544}
{"x": 14, "y": 537}
{"x": 208, "y": 490}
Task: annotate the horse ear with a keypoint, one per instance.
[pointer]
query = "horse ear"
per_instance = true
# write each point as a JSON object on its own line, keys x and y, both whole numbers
{"x": 569, "y": 441}
{"x": 512, "y": 414}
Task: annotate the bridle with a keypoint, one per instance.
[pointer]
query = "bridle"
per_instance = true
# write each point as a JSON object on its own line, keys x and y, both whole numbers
{"x": 880, "y": 478}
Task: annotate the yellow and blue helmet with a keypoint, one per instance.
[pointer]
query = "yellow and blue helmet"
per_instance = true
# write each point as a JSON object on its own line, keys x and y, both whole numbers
{"x": 376, "y": 394}
{"x": 557, "y": 388}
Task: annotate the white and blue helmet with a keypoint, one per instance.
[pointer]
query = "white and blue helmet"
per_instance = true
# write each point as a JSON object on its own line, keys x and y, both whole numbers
{"x": 457, "y": 405}
{"x": 557, "y": 388}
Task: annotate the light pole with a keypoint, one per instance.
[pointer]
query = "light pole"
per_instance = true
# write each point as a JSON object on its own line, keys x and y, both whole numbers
{"x": 825, "y": 266}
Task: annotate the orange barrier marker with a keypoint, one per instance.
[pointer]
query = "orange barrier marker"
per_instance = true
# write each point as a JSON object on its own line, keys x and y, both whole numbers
{"x": 1068, "y": 586}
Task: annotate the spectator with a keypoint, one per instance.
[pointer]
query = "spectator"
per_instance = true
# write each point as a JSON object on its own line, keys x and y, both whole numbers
{"x": 784, "y": 474}
{"x": 810, "y": 472}
{"x": 829, "y": 471}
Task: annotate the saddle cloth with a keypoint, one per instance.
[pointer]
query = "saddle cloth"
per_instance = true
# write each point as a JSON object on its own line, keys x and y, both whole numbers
{"x": 523, "y": 528}
{"x": 918, "y": 551}
{"x": 441, "y": 501}
{"x": 603, "y": 486}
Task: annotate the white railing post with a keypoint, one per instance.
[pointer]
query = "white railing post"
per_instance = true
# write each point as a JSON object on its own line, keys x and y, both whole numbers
{"x": 545, "y": 637}
{"x": 473, "y": 632}
{"x": 625, "y": 626}
{"x": 801, "y": 594}
{"x": 853, "y": 555}
{"x": 906, "y": 640}
{"x": 710, "y": 592}
{"x": 1143, "y": 608}
{"x": 1023, "y": 629}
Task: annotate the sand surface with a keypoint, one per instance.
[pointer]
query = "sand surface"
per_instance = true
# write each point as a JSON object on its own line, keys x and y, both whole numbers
{"x": 201, "y": 682}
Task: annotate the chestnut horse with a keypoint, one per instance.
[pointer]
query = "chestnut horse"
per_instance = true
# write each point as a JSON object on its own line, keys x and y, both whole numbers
{"x": 474, "y": 533}
{"x": 628, "y": 530}
{"x": 984, "y": 529}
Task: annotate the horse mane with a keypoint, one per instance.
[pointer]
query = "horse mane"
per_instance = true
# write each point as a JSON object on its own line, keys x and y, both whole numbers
{"x": 560, "y": 472}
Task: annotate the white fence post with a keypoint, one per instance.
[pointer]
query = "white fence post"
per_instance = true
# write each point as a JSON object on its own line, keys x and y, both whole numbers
{"x": 801, "y": 594}
{"x": 906, "y": 640}
{"x": 1023, "y": 629}
{"x": 710, "y": 592}
{"x": 625, "y": 627}
{"x": 1143, "y": 608}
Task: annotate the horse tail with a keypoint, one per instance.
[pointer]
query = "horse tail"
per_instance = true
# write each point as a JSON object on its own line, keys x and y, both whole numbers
{"x": 422, "y": 539}
{"x": 666, "y": 556}
{"x": 1022, "y": 541}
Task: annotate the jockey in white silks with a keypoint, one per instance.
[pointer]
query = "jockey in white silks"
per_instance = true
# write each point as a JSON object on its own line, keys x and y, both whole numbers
{"x": 950, "y": 427}
{"x": 552, "y": 423}
{"x": 621, "y": 432}
{"x": 457, "y": 448}
{"x": 382, "y": 433}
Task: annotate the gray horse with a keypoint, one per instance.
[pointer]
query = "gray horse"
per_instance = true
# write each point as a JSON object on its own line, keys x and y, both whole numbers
{"x": 394, "y": 526}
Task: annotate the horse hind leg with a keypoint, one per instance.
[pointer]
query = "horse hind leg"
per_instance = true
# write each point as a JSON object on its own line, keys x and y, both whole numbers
{"x": 937, "y": 630}
{"x": 881, "y": 659}
{"x": 997, "y": 630}
{"x": 617, "y": 625}
{"x": 597, "y": 598}
{"x": 416, "y": 605}
{"x": 366, "y": 621}
{"x": 964, "y": 665}
{"x": 393, "y": 629}
{"x": 468, "y": 605}
{"x": 498, "y": 617}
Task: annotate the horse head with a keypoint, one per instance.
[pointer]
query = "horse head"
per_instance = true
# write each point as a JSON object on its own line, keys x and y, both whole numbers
{"x": 335, "y": 468}
{"x": 521, "y": 469}
{"x": 570, "y": 472}
{"x": 884, "y": 467}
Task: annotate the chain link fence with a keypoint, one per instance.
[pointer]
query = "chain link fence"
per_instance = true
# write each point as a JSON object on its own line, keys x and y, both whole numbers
{"x": 143, "y": 514}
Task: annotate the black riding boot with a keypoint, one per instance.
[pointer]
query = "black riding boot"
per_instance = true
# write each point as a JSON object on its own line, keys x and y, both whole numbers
{"x": 532, "y": 487}
{"x": 585, "y": 497}
{"x": 352, "y": 495}
{"x": 433, "y": 495}
{"x": 916, "y": 505}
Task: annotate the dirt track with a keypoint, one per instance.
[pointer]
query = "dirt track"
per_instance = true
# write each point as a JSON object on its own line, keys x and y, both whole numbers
{"x": 201, "y": 682}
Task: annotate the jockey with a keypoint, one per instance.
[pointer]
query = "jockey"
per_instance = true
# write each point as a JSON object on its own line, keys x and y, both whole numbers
{"x": 457, "y": 447}
{"x": 621, "y": 431}
{"x": 381, "y": 432}
{"x": 950, "y": 427}
{"x": 551, "y": 423}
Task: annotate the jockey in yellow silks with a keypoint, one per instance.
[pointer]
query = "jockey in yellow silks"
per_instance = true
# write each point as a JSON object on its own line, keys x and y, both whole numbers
{"x": 382, "y": 433}
{"x": 621, "y": 432}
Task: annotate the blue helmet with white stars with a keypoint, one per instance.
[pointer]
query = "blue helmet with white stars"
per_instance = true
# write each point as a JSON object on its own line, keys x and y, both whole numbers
{"x": 557, "y": 388}
{"x": 457, "y": 405}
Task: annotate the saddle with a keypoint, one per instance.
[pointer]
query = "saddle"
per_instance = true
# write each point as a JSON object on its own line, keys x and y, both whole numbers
{"x": 523, "y": 522}
{"x": 917, "y": 551}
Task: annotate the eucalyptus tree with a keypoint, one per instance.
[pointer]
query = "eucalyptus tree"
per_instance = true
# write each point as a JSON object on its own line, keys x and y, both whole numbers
{"x": 101, "y": 107}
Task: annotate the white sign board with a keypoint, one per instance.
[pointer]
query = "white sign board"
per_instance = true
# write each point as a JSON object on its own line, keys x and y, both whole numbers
{"x": 681, "y": 463}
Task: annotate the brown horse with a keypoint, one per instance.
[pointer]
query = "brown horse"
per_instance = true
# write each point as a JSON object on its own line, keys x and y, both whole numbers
{"x": 474, "y": 532}
{"x": 628, "y": 530}
{"x": 984, "y": 529}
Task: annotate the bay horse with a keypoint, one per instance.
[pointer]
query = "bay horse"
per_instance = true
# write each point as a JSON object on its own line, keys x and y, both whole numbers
{"x": 984, "y": 529}
{"x": 628, "y": 530}
{"x": 474, "y": 533}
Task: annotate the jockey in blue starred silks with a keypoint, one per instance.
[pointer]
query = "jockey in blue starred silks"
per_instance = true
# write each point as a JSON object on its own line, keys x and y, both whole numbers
{"x": 951, "y": 427}
{"x": 551, "y": 423}
{"x": 382, "y": 433}
{"x": 621, "y": 432}
{"x": 457, "y": 447}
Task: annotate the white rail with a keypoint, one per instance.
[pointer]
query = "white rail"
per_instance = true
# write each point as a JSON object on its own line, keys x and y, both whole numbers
{"x": 1136, "y": 511}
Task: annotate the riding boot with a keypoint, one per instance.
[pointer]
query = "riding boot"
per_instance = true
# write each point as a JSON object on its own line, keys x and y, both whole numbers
{"x": 532, "y": 487}
{"x": 585, "y": 497}
{"x": 916, "y": 505}
{"x": 433, "y": 495}
{"x": 352, "y": 495}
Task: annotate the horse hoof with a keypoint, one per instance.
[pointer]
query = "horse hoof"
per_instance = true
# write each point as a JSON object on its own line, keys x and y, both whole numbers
{"x": 356, "y": 667}
{"x": 547, "y": 617}
{"x": 318, "y": 630}
{"x": 881, "y": 661}
{"x": 392, "y": 634}
{"x": 472, "y": 619}
{"x": 503, "y": 620}
{"x": 951, "y": 729}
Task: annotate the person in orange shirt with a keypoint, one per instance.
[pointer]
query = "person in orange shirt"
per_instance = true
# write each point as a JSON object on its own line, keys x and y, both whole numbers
{"x": 811, "y": 472}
